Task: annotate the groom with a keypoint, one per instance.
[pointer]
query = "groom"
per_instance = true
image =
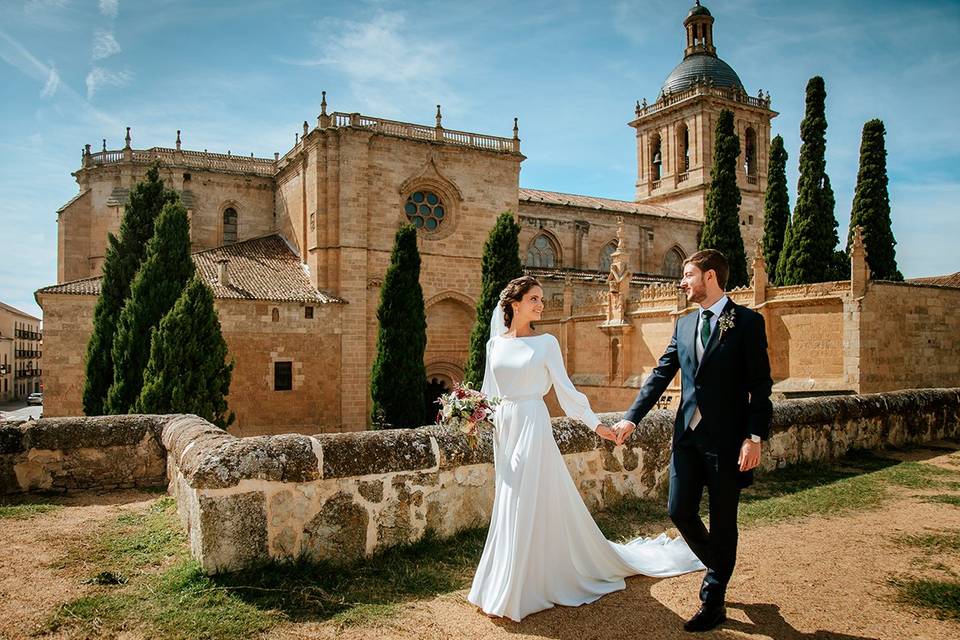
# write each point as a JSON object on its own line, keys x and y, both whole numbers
{"x": 721, "y": 352}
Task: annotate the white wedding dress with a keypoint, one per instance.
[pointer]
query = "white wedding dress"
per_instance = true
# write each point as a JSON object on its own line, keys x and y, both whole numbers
{"x": 543, "y": 547}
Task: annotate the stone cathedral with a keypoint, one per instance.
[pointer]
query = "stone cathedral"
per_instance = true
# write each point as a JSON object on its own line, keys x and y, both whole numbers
{"x": 295, "y": 246}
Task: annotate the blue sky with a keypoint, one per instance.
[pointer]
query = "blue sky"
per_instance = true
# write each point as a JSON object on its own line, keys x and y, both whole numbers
{"x": 243, "y": 75}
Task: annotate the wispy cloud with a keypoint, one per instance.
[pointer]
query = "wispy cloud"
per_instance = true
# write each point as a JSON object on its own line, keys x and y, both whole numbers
{"x": 104, "y": 45}
{"x": 100, "y": 77}
{"x": 110, "y": 8}
{"x": 386, "y": 60}
{"x": 53, "y": 83}
{"x": 36, "y": 6}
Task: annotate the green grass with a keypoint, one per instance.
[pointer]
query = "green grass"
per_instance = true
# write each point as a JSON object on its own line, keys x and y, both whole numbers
{"x": 941, "y": 597}
{"x": 166, "y": 594}
{"x": 944, "y": 498}
{"x": 861, "y": 480}
{"x": 25, "y": 511}
{"x": 940, "y": 542}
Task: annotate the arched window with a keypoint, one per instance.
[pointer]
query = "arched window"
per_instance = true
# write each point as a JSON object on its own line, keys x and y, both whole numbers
{"x": 606, "y": 256}
{"x": 541, "y": 252}
{"x": 656, "y": 159}
{"x": 750, "y": 152}
{"x": 229, "y": 225}
{"x": 673, "y": 263}
{"x": 683, "y": 147}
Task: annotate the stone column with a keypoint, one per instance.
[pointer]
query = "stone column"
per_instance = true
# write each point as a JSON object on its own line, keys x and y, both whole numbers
{"x": 759, "y": 283}
{"x": 859, "y": 271}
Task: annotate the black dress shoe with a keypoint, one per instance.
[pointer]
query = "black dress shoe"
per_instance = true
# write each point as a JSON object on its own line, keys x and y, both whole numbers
{"x": 706, "y": 618}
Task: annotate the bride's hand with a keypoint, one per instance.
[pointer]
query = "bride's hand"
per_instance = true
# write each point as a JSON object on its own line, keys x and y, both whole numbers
{"x": 606, "y": 433}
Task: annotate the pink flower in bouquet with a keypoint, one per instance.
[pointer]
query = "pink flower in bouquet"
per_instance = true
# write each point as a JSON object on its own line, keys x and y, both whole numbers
{"x": 478, "y": 414}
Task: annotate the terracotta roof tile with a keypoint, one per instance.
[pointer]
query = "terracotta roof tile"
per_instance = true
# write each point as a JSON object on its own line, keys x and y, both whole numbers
{"x": 264, "y": 268}
{"x": 948, "y": 280}
{"x": 603, "y": 204}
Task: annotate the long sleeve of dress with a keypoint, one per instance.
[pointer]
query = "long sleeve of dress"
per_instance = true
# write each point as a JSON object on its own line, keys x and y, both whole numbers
{"x": 489, "y": 386}
{"x": 574, "y": 404}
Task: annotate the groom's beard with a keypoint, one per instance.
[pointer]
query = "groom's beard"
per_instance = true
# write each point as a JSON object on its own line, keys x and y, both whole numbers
{"x": 696, "y": 295}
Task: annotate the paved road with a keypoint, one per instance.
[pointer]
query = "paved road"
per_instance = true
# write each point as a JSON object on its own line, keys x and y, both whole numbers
{"x": 19, "y": 411}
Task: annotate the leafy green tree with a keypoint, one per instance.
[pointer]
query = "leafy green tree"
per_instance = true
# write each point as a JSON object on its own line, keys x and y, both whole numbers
{"x": 871, "y": 204}
{"x": 721, "y": 224}
{"x": 398, "y": 378}
{"x": 776, "y": 207}
{"x": 810, "y": 243}
{"x": 161, "y": 279}
{"x": 187, "y": 371}
{"x": 499, "y": 265}
{"x": 125, "y": 252}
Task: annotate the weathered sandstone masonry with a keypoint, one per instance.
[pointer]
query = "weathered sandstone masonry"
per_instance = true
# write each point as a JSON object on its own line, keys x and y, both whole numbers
{"x": 338, "y": 497}
{"x": 69, "y": 454}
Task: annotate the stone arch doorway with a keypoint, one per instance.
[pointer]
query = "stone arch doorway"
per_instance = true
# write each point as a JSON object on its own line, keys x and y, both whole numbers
{"x": 441, "y": 376}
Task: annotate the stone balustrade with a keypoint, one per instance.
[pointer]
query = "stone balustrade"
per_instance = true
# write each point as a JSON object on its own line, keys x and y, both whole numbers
{"x": 184, "y": 158}
{"x": 338, "y": 497}
{"x": 422, "y": 132}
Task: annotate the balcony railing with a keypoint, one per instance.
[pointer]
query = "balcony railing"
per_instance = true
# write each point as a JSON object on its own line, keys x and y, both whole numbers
{"x": 703, "y": 89}
{"x": 751, "y": 179}
{"x": 25, "y": 334}
{"x": 184, "y": 158}
{"x": 683, "y": 177}
{"x": 423, "y": 132}
{"x": 654, "y": 184}
{"x": 27, "y": 373}
{"x": 27, "y": 353}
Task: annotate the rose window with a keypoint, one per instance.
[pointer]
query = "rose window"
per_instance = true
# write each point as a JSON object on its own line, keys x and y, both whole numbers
{"x": 425, "y": 210}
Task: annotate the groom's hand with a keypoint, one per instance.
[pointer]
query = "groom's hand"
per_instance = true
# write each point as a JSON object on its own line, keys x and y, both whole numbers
{"x": 624, "y": 428}
{"x": 749, "y": 455}
{"x": 607, "y": 433}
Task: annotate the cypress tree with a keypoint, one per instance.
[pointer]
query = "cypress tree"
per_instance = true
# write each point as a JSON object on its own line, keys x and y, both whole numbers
{"x": 187, "y": 371}
{"x": 721, "y": 224}
{"x": 124, "y": 254}
{"x": 398, "y": 378}
{"x": 500, "y": 264}
{"x": 161, "y": 279}
{"x": 871, "y": 204}
{"x": 776, "y": 207}
{"x": 809, "y": 248}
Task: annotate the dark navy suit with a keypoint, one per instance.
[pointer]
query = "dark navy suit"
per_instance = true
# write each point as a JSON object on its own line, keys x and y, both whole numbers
{"x": 731, "y": 386}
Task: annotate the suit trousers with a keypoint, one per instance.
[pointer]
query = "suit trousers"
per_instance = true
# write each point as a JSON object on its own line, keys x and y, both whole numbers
{"x": 696, "y": 463}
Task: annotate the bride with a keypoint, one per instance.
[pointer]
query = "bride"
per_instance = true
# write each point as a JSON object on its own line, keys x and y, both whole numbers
{"x": 543, "y": 547}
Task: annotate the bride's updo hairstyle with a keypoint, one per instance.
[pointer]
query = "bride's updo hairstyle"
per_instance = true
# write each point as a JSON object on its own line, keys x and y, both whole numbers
{"x": 514, "y": 292}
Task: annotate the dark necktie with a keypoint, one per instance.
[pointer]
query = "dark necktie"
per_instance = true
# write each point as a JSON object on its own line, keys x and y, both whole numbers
{"x": 705, "y": 328}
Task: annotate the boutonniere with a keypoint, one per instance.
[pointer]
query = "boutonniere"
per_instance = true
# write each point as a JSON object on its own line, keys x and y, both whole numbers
{"x": 725, "y": 322}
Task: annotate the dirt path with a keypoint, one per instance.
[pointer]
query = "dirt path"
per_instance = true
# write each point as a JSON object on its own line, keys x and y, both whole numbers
{"x": 813, "y": 579}
{"x": 31, "y": 585}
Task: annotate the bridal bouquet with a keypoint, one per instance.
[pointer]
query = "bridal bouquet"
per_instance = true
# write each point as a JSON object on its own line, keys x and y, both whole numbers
{"x": 467, "y": 410}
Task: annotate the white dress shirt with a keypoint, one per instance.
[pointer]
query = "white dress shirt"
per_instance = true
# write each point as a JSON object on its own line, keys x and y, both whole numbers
{"x": 716, "y": 309}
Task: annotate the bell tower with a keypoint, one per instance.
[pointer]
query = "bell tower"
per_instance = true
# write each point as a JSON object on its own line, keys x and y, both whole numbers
{"x": 675, "y": 133}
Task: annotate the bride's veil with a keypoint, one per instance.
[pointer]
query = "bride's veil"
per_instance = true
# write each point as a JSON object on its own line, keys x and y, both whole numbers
{"x": 498, "y": 325}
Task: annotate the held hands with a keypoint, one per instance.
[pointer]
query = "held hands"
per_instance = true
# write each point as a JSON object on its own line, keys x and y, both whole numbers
{"x": 618, "y": 434}
{"x": 749, "y": 455}
{"x": 606, "y": 433}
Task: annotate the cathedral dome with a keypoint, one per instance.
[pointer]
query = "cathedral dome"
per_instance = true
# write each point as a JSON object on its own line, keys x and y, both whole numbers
{"x": 702, "y": 66}
{"x": 698, "y": 10}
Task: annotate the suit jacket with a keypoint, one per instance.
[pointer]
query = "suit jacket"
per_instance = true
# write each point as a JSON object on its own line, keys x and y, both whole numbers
{"x": 731, "y": 385}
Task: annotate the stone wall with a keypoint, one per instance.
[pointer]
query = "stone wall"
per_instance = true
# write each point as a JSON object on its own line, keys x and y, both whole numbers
{"x": 338, "y": 497}
{"x": 67, "y": 454}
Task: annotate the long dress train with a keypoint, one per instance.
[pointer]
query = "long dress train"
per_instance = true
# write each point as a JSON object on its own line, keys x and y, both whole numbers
{"x": 543, "y": 546}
